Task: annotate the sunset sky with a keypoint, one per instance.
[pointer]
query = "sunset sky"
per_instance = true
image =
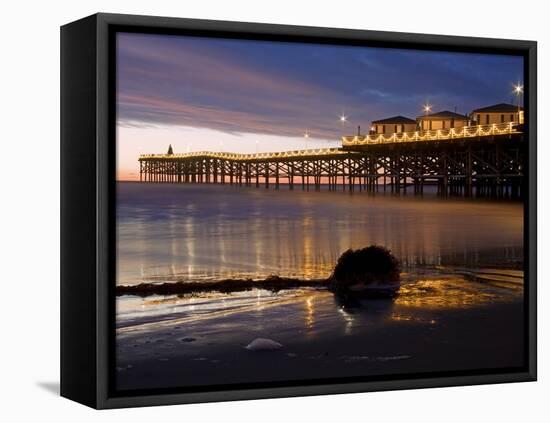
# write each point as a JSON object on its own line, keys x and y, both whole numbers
{"x": 246, "y": 96}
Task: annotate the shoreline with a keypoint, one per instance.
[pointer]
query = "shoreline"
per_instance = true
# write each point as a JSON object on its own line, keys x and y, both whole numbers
{"x": 508, "y": 276}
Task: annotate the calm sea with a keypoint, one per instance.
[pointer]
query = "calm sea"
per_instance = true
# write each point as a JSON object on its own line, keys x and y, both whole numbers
{"x": 168, "y": 232}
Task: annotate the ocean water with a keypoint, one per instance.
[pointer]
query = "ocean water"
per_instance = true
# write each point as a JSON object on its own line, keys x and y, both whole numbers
{"x": 171, "y": 232}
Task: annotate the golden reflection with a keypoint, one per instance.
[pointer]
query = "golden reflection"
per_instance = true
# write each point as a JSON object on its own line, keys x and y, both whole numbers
{"x": 222, "y": 251}
{"x": 310, "y": 313}
{"x": 308, "y": 266}
{"x": 401, "y": 317}
{"x": 451, "y": 293}
{"x": 259, "y": 303}
{"x": 348, "y": 319}
{"x": 224, "y": 310}
{"x": 190, "y": 247}
{"x": 159, "y": 301}
{"x": 398, "y": 317}
{"x": 192, "y": 306}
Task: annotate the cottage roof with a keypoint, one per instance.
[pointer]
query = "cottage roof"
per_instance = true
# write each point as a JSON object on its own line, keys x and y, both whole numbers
{"x": 445, "y": 114}
{"x": 394, "y": 119}
{"x": 498, "y": 108}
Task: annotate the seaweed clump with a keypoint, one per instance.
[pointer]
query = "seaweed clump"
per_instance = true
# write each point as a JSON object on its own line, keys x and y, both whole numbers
{"x": 369, "y": 266}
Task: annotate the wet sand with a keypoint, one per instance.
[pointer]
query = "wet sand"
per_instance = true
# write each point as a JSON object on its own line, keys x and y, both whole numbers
{"x": 439, "y": 322}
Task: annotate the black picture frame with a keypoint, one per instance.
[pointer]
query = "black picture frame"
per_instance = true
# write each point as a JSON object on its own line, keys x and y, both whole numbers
{"x": 88, "y": 198}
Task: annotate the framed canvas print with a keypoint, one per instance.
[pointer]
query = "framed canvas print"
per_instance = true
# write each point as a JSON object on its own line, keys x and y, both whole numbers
{"x": 255, "y": 211}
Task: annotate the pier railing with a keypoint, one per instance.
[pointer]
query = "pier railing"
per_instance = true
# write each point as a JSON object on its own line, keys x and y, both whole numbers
{"x": 248, "y": 157}
{"x": 434, "y": 135}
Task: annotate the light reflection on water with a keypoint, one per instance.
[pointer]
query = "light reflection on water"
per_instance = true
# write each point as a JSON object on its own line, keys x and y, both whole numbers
{"x": 314, "y": 310}
{"x": 182, "y": 232}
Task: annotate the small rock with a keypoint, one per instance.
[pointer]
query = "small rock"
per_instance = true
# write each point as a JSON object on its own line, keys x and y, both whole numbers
{"x": 263, "y": 344}
{"x": 188, "y": 339}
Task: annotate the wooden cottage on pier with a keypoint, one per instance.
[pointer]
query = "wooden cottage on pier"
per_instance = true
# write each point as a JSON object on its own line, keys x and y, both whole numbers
{"x": 441, "y": 120}
{"x": 497, "y": 114}
{"x": 393, "y": 125}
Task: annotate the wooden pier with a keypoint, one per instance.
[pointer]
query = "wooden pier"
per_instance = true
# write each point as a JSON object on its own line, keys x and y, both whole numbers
{"x": 478, "y": 161}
